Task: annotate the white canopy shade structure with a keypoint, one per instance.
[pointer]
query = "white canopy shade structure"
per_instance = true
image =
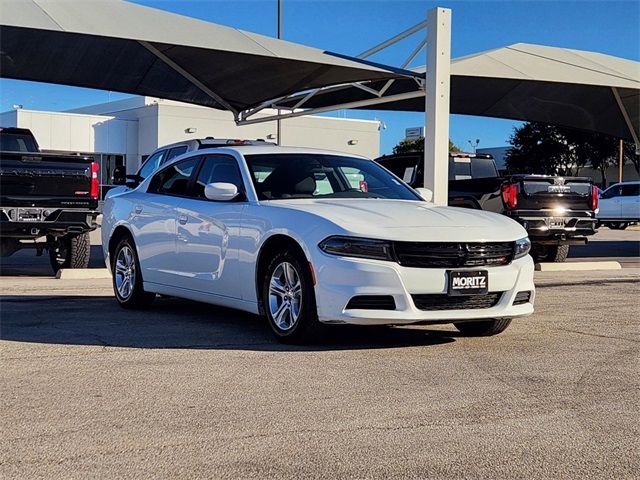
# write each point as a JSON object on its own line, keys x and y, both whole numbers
{"x": 577, "y": 89}
{"x": 124, "y": 47}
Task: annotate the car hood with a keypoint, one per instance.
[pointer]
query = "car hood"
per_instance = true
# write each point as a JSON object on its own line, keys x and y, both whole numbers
{"x": 408, "y": 220}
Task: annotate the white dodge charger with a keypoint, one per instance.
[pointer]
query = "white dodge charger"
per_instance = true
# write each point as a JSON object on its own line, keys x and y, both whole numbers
{"x": 310, "y": 237}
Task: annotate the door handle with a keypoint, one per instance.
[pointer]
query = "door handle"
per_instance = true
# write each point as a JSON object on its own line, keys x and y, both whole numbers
{"x": 138, "y": 209}
{"x": 183, "y": 219}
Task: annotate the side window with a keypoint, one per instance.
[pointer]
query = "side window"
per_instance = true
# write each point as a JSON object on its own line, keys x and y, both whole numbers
{"x": 218, "y": 168}
{"x": 152, "y": 164}
{"x": 175, "y": 152}
{"x": 174, "y": 180}
{"x": 612, "y": 192}
{"x": 630, "y": 190}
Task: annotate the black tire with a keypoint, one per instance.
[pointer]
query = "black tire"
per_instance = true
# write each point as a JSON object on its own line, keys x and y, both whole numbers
{"x": 550, "y": 253}
{"x": 135, "y": 297}
{"x": 305, "y": 327}
{"x": 484, "y": 328}
{"x": 618, "y": 225}
{"x": 557, "y": 253}
{"x": 70, "y": 251}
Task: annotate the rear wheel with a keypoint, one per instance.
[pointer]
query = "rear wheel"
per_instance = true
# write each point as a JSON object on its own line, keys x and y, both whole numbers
{"x": 550, "y": 253}
{"x": 485, "y": 328}
{"x": 618, "y": 225}
{"x": 288, "y": 299}
{"x": 69, "y": 251}
{"x": 127, "y": 277}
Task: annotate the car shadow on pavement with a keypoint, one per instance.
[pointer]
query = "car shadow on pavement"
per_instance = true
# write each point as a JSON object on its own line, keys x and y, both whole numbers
{"x": 176, "y": 323}
{"x": 606, "y": 248}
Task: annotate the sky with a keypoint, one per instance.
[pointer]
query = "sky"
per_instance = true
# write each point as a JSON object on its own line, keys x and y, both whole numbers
{"x": 352, "y": 26}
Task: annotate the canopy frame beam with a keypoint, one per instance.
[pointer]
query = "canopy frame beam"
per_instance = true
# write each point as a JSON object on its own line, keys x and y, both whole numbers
{"x": 243, "y": 117}
{"x": 625, "y": 115}
{"x": 188, "y": 76}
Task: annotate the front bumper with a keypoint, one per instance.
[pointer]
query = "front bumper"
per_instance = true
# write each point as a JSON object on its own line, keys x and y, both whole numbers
{"x": 339, "y": 279}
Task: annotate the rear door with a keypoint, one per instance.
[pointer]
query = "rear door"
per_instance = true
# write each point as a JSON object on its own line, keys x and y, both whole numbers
{"x": 154, "y": 217}
{"x": 630, "y": 201}
{"x": 610, "y": 204}
{"x": 208, "y": 232}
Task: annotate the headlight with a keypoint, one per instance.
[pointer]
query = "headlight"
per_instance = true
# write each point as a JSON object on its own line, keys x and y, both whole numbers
{"x": 357, "y": 247}
{"x": 522, "y": 247}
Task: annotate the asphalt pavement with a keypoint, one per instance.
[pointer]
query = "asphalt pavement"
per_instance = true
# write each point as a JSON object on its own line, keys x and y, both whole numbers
{"x": 187, "y": 390}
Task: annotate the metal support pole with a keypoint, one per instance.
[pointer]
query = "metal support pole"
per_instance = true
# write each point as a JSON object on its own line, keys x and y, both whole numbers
{"x": 279, "y": 125}
{"x": 436, "y": 148}
{"x": 620, "y": 159}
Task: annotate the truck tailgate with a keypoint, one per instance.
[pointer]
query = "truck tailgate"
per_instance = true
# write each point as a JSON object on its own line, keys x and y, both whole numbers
{"x": 45, "y": 180}
{"x": 569, "y": 193}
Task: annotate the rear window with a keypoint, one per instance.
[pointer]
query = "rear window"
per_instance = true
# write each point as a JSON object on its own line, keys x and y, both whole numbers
{"x": 483, "y": 168}
{"x": 17, "y": 142}
{"x": 532, "y": 187}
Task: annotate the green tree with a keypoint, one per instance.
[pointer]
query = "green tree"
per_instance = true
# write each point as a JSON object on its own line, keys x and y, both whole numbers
{"x": 417, "y": 145}
{"x": 543, "y": 149}
{"x": 551, "y": 150}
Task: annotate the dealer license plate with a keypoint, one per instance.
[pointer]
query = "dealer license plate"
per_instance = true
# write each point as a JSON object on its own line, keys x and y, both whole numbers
{"x": 29, "y": 215}
{"x": 468, "y": 282}
{"x": 555, "y": 223}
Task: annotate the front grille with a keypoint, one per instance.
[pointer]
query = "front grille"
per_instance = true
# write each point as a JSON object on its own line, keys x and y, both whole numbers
{"x": 463, "y": 302}
{"x": 452, "y": 255}
{"x": 372, "y": 302}
{"x": 522, "y": 297}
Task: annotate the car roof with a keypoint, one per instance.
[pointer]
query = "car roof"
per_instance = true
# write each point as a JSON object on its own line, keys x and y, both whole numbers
{"x": 274, "y": 149}
{"x": 632, "y": 182}
{"x": 214, "y": 142}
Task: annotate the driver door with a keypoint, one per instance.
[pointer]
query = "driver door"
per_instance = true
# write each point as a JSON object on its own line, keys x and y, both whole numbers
{"x": 208, "y": 232}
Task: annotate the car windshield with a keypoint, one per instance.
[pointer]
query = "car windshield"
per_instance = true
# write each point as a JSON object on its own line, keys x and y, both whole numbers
{"x": 301, "y": 175}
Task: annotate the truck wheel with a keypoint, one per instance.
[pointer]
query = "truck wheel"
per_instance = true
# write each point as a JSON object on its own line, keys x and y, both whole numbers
{"x": 484, "y": 328}
{"x": 550, "y": 253}
{"x": 557, "y": 253}
{"x": 127, "y": 277}
{"x": 70, "y": 251}
{"x": 618, "y": 225}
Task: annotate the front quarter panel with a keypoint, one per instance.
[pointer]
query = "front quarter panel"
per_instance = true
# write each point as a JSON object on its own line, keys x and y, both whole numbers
{"x": 263, "y": 221}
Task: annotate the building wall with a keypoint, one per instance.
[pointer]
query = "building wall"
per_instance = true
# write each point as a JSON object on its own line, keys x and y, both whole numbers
{"x": 319, "y": 132}
{"x": 136, "y": 126}
{"x": 78, "y": 133}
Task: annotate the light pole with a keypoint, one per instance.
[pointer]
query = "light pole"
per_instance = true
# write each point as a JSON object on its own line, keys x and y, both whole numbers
{"x": 474, "y": 145}
{"x": 279, "y": 126}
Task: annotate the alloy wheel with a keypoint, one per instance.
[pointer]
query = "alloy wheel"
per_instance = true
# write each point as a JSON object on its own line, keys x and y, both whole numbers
{"x": 125, "y": 272}
{"x": 285, "y": 296}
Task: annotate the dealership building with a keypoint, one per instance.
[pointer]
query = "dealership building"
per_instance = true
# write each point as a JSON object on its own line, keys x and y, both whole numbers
{"x": 125, "y": 132}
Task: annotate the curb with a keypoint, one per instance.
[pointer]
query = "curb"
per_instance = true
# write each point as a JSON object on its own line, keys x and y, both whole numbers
{"x": 83, "y": 273}
{"x": 577, "y": 266}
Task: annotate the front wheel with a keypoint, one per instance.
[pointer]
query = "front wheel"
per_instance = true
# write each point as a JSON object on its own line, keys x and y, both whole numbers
{"x": 485, "y": 328}
{"x": 288, "y": 299}
{"x": 69, "y": 251}
{"x": 127, "y": 277}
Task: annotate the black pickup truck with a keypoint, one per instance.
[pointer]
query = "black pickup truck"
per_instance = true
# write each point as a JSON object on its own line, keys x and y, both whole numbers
{"x": 555, "y": 211}
{"x": 46, "y": 195}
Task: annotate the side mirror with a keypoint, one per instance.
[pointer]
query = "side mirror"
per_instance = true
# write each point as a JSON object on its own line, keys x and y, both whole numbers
{"x": 221, "y": 192}
{"x": 119, "y": 175}
{"x": 425, "y": 193}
